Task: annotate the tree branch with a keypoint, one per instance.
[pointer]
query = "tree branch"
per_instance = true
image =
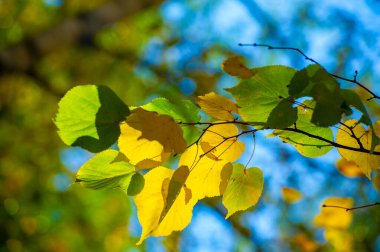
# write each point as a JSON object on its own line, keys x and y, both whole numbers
{"x": 354, "y": 80}
{"x": 353, "y": 208}
{"x": 335, "y": 144}
{"x": 296, "y": 130}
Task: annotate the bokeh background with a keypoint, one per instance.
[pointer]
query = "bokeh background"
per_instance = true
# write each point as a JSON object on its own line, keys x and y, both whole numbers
{"x": 148, "y": 48}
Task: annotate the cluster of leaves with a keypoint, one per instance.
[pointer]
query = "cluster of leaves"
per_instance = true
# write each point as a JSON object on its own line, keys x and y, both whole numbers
{"x": 300, "y": 107}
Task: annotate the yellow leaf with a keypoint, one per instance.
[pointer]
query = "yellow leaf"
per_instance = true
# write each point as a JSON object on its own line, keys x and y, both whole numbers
{"x": 376, "y": 127}
{"x": 341, "y": 240}
{"x": 331, "y": 217}
{"x": 243, "y": 190}
{"x": 210, "y": 172}
{"x": 147, "y": 139}
{"x": 366, "y": 162}
{"x": 376, "y": 181}
{"x": 174, "y": 187}
{"x": 233, "y": 66}
{"x": 348, "y": 168}
{"x": 219, "y": 143}
{"x": 208, "y": 177}
{"x": 150, "y": 203}
{"x": 304, "y": 243}
{"x": 217, "y": 106}
{"x": 290, "y": 195}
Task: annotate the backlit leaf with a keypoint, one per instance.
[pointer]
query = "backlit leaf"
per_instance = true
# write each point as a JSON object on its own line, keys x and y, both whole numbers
{"x": 316, "y": 82}
{"x": 175, "y": 186}
{"x": 109, "y": 169}
{"x": 305, "y": 145}
{"x": 258, "y": 96}
{"x": 217, "y": 106}
{"x": 148, "y": 139}
{"x": 353, "y": 99}
{"x": 290, "y": 195}
{"x": 283, "y": 115}
{"x": 210, "y": 172}
{"x": 208, "y": 177}
{"x": 220, "y": 143}
{"x": 348, "y": 168}
{"x": 150, "y": 204}
{"x": 331, "y": 217}
{"x": 183, "y": 111}
{"x": 243, "y": 190}
{"x": 88, "y": 116}
{"x": 366, "y": 162}
{"x": 233, "y": 66}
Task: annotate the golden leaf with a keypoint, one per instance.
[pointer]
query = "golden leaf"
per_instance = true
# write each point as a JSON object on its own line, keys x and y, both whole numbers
{"x": 366, "y": 162}
{"x": 150, "y": 203}
{"x": 376, "y": 181}
{"x": 233, "y": 66}
{"x": 147, "y": 139}
{"x": 331, "y": 217}
{"x": 219, "y": 143}
{"x": 217, "y": 106}
{"x": 290, "y": 195}
{"x": 210, "y": 172}
{"x": 348, "y": 168}
{"x": 341, "y": 240}
{"x": 208, "y": 177}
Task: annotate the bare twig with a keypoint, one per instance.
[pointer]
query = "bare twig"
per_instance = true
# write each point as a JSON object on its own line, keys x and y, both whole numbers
{"x": 354, "y": 80}
{"x": 353, "y": 208}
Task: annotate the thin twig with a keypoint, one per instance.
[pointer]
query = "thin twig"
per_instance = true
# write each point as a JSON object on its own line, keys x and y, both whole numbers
{"x": 354, "y": 80}
{"x": 363, "y": 150}
{"x": 353, "y": 208}
{"x": 296, "y": 130}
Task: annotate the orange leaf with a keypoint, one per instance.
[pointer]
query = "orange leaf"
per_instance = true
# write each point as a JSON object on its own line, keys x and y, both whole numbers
{"x": 217, "y": 106}
{"x": 290, "y": 195}
{"x": 233, "y": 66}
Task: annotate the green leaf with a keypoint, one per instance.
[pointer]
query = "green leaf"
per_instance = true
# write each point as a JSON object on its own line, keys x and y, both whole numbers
{"x": 307, "y": 146}
{"x": 283, "y": 115}
{"x": 136, "y": 185}
{"x": 353, "y": 99}
{"x": 184, "y": 111}
{"x": 88, "y": 116}
{"x": 243, "y": 190}
{"x": 259, "y": 95}
{"x": 316, "y": 82}
{"x": 328, "y": 109}
{"x": 110, "y": 169}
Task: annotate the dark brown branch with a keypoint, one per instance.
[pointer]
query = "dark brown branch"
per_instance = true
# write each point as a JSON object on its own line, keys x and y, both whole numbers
{"x": 296, "y": 130}
{"x": 363, "y": 150}
{"x": 353, "y": 208}
{"x": 352, "y": 134}
{"x": 354, "y": 80}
